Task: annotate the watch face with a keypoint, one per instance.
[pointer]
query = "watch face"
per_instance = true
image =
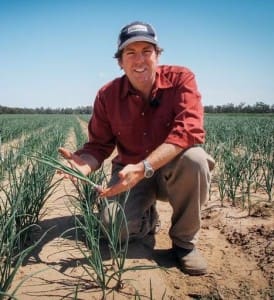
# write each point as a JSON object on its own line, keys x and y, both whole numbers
{"x": 148, "y": 169}
{"x": 149, "y": 173}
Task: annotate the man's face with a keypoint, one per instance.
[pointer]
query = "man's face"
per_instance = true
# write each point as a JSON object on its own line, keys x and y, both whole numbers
{"x": 139, "y": 61}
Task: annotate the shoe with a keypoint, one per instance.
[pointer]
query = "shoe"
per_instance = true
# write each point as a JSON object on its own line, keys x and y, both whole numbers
{"x": 191, "y": 261}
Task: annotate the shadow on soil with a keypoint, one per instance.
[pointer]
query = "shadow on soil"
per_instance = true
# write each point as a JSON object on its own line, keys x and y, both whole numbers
{"x": 64, "y": 227}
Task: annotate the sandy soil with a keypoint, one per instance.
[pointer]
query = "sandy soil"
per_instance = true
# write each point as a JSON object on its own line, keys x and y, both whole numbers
{"x": 239, "y": 251}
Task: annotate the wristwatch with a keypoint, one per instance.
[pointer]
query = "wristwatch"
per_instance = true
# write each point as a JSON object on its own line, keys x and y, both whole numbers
{"x": 148, "y": 169}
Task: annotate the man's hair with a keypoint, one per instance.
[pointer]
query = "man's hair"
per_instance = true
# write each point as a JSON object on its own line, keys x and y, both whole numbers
{"x": 119, "y": 53}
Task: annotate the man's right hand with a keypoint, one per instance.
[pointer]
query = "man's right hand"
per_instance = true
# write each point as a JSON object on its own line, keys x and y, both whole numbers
{"x": 75, "y": 162}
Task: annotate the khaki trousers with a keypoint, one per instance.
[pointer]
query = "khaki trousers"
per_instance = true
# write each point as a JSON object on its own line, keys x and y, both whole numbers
{"x": 184, "y": 182}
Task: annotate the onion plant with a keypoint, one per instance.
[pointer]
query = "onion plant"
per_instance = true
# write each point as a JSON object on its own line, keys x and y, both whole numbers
{"x": 115, "y": 234}
{"x": 26, "y": 194}
{"x": 10, "y": 258}
{"x": 81, "y": 137}
{"x": 138, "y": 297}
{"x": 94, "y": 228}
{"x": 58, "y": 165}
{"x": 0, "y": 145}
{"x": 251, "y": 167}
{"x": 268, "y": 175}
{"x": 221, "y": 182}
{"x": 234, "y": 172}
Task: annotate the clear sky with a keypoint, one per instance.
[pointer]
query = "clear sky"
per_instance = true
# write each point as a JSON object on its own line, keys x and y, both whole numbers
{"x": 58, "y": 53}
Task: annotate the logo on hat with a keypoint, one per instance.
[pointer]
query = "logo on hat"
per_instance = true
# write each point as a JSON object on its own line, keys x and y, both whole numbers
{"x": 138, "y": 27}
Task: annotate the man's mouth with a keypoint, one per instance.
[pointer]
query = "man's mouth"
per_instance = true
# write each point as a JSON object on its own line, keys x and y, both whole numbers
{"x": 140, "y": 70}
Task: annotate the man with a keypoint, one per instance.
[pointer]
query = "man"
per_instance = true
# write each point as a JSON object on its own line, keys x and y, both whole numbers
{"x": 154, "y": 117}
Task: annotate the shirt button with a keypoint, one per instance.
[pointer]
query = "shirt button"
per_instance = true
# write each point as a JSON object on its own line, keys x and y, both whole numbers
{"x": 142, "y": 113}
{"x": 146, "y": 151}
{"x": 145, "y": 133}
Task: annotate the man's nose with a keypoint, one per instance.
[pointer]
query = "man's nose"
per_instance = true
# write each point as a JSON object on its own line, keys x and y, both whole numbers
{"x": 139, "y": 57}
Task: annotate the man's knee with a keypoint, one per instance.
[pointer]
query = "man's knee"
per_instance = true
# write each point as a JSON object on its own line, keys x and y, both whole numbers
{"x": 197, "y": 159}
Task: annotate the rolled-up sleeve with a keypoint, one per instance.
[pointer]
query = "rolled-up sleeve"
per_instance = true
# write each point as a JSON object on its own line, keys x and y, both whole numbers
{"x": 101, "y": 142}
{"x": 188, "y": 124}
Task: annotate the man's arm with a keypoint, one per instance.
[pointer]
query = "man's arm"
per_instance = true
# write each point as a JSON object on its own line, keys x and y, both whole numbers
{"x": 131, "y": 174}
{"x": 163, "y": 155}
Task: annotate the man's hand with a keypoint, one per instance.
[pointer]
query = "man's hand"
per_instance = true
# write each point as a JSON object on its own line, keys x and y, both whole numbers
{"x": 75, "y": 162}
{"x": 129, "y": 176}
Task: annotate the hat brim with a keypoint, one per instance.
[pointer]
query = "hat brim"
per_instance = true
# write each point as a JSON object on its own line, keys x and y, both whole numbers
{"x": 138, "y": 39}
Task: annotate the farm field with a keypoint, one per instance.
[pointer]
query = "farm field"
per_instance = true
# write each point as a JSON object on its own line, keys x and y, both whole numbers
{"x": 43, "y": 255}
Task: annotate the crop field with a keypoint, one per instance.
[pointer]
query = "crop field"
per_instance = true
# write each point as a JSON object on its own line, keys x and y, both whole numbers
{"x": 238, "y": 218}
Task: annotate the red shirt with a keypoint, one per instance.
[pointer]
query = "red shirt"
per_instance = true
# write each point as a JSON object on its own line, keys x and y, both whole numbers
{"x": 122, "y": 118}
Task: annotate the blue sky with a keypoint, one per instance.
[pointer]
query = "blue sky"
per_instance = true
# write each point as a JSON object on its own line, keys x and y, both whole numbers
{"x": 59, "y": 53}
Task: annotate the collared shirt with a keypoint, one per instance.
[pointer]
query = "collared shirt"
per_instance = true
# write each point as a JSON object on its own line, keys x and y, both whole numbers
{"x": 122, "y": 118}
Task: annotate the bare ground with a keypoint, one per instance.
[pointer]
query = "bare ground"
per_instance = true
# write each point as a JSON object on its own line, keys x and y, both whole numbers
{"x": 239, "y": 250}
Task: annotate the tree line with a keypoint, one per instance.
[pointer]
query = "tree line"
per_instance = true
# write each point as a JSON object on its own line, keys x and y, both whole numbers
{"x": 258, "y": 107}
{"x": 82, "y": 110}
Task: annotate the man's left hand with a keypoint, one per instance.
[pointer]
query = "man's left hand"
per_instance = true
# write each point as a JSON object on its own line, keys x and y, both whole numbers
{"x": 129, "y": 176}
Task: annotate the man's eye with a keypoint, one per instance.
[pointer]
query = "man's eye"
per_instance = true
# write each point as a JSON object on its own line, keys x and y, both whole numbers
{"x": 147, "y": 52}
